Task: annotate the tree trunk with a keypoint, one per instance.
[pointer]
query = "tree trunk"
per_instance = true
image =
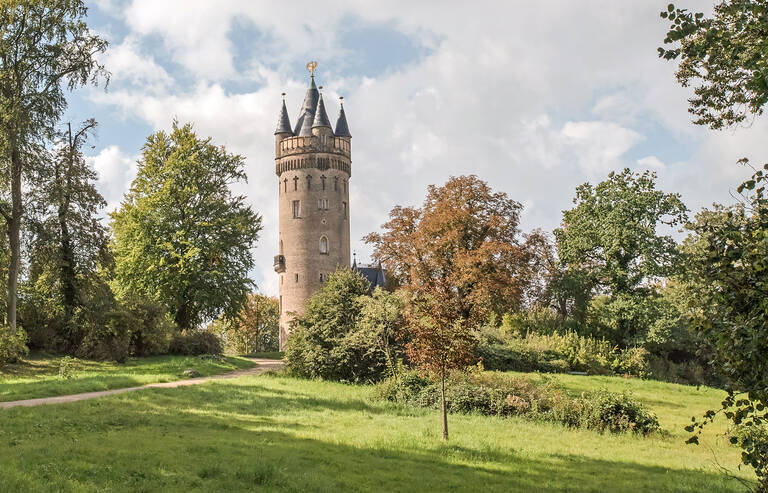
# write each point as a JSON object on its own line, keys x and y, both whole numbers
{"x": 445, "y": 413}
{"x": 14, "y": 228}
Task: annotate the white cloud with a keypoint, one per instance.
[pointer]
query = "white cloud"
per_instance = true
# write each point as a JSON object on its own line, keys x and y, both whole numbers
{"x": 116, "y": 171}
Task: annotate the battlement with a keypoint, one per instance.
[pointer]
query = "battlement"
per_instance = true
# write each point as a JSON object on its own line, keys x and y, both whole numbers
{"x": 314, "y": 143}
{"x": 312, "y": 161}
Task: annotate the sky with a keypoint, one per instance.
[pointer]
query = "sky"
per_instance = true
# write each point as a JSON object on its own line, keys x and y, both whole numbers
{"x": 534, "y": 97}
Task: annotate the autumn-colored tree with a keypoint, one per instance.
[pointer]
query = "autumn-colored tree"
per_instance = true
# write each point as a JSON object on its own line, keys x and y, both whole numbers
{"x": 460, "y": 257}
{"x": 463, "y": 242}
{"x": 255, "y": 328}
{"x": 439, "y": 340}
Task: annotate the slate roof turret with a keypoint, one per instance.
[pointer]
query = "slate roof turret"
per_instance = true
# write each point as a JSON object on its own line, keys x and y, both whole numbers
{"x": 321, "y": 117}
{"x": 307, "y": 114}
{"x": 283, "y": 122}
{"x": 342, "y": 129}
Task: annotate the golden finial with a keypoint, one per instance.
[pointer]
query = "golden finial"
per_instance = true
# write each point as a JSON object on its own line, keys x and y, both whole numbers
{"x": 311, "y": 66}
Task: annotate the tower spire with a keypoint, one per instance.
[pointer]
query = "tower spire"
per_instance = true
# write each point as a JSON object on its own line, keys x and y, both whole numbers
{"x": 321, "y": 117}
{"x": 342, "y": 129}
{"x": 283, "y": 122}
{"x": 307, "y": 114}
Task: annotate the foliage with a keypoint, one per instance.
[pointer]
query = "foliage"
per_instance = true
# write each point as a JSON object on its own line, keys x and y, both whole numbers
{"x": 68, "y": 240}
{"x": 152, "y": 327}
{"x": 255, "y": 329}
{"x": 501, "y": 395}
{"x": 380, "y": 323}
{"x": 45, "y": 46}
{"x": 730, "y": 276}
{"x": 180, "y": 236}
{"x": 725, "y": 55}
{"x": 557, "y": 353}
{"x": 12, "y": 345}
{"x": 611, "y": 235}
{"x": 463, "y": 243}
{"x": 333, "y": 341}
{"x": 195, "y": 342}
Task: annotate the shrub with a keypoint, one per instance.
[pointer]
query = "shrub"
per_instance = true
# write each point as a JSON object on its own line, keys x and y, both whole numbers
{"x": 558, "y": 353}
{"x": 194, "y": 343}
{"x": 12, "y": 345}
{"x": 492, "y": 393}
{"x": 151, "y": 327}
{"x": 106, "y": 336}
{"x": 345, "y": 334}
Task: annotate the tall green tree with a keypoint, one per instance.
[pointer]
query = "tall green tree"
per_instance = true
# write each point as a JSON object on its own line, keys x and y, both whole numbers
{"x": 68, "y": 238}
{"x": 724, "y": 56}
{"x": 611, "y": 236}
{"x": 728, "y": 271}
{"x": 45, "y": 48}
{"x": 181, "y": 236}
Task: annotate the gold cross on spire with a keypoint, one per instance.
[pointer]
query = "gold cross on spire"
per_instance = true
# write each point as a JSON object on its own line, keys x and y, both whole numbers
{"x": 311, "y": 66}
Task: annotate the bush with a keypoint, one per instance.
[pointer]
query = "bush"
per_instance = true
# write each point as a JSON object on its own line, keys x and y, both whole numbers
{"x": 13, "y": 346}
{"x": 195, "y": 342}
{"x": 151, "y": 327}
{"x": 492, "y": 393}
{"x": 345, "y": 334}
{"x": 106, "y": 336}
{"x": 558, "y": 353}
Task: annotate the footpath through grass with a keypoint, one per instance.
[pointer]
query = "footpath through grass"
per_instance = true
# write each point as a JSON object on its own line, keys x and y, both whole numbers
{"x": 40, "y": 376}
{"x": 278, "y": 433}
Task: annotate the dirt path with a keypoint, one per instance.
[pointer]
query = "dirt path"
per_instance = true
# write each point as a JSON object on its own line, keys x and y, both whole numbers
{"x": 262, "y": 365}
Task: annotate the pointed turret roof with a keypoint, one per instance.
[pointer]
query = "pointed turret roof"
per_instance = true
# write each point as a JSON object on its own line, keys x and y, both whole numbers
{"x": 283, "y": 122}
{"x": 307, "y": 114}
{"x": 321, "y": 117}
{"x": 342, "y": 129}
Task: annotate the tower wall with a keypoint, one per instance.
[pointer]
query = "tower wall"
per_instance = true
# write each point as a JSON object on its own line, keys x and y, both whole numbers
{"x": 324, "y": 212}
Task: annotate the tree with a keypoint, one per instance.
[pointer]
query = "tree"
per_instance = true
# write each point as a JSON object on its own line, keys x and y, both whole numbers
{"x": 464, "y": 242}
{"x": 256, "y": 327}
{"x": 68, "y": 236}
{"x": 328, "y": 341}
{"x": 460, "y": 258}
{"x": 45, "y": 45}
{"x": 439, "y": 340}
{"x": 725, "y": 55}
{"x": 611, "y": 236}
{"x": 180, "y": 235}
{"x": 728, "y": 255}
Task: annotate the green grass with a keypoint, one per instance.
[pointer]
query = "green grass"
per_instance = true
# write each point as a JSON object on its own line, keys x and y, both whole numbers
{"x": 39, "y": 376}
{"x": 279, "y": 433}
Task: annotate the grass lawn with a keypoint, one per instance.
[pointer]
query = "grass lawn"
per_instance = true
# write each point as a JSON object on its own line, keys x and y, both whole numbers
{"x": 39, "y": 376}
{"x": 277, "y": 433}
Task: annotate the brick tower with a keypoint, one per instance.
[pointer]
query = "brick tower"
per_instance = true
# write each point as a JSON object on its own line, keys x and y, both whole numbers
{"x": 313, "y": 166}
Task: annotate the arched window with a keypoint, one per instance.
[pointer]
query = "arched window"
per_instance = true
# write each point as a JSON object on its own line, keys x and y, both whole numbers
{"x": 309, "y": 182}
{"x": 322, "y": 178}
{"x": 323, "y": 245}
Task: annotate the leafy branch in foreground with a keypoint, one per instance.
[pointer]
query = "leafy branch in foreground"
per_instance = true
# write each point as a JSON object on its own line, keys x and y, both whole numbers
{"x": 726, "y": 55}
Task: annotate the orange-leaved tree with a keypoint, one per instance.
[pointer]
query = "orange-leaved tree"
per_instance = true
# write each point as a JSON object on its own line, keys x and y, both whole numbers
{"x": 461, "y": 257}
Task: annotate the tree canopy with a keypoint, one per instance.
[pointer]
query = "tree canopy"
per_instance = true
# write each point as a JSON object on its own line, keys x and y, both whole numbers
{"x": 181, "y": 236}
{"x": 45, "y": 46}
{"x": 463, "y": 245}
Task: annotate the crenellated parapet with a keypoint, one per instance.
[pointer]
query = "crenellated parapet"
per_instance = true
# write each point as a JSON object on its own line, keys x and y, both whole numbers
{"x": 291, "y": 146}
